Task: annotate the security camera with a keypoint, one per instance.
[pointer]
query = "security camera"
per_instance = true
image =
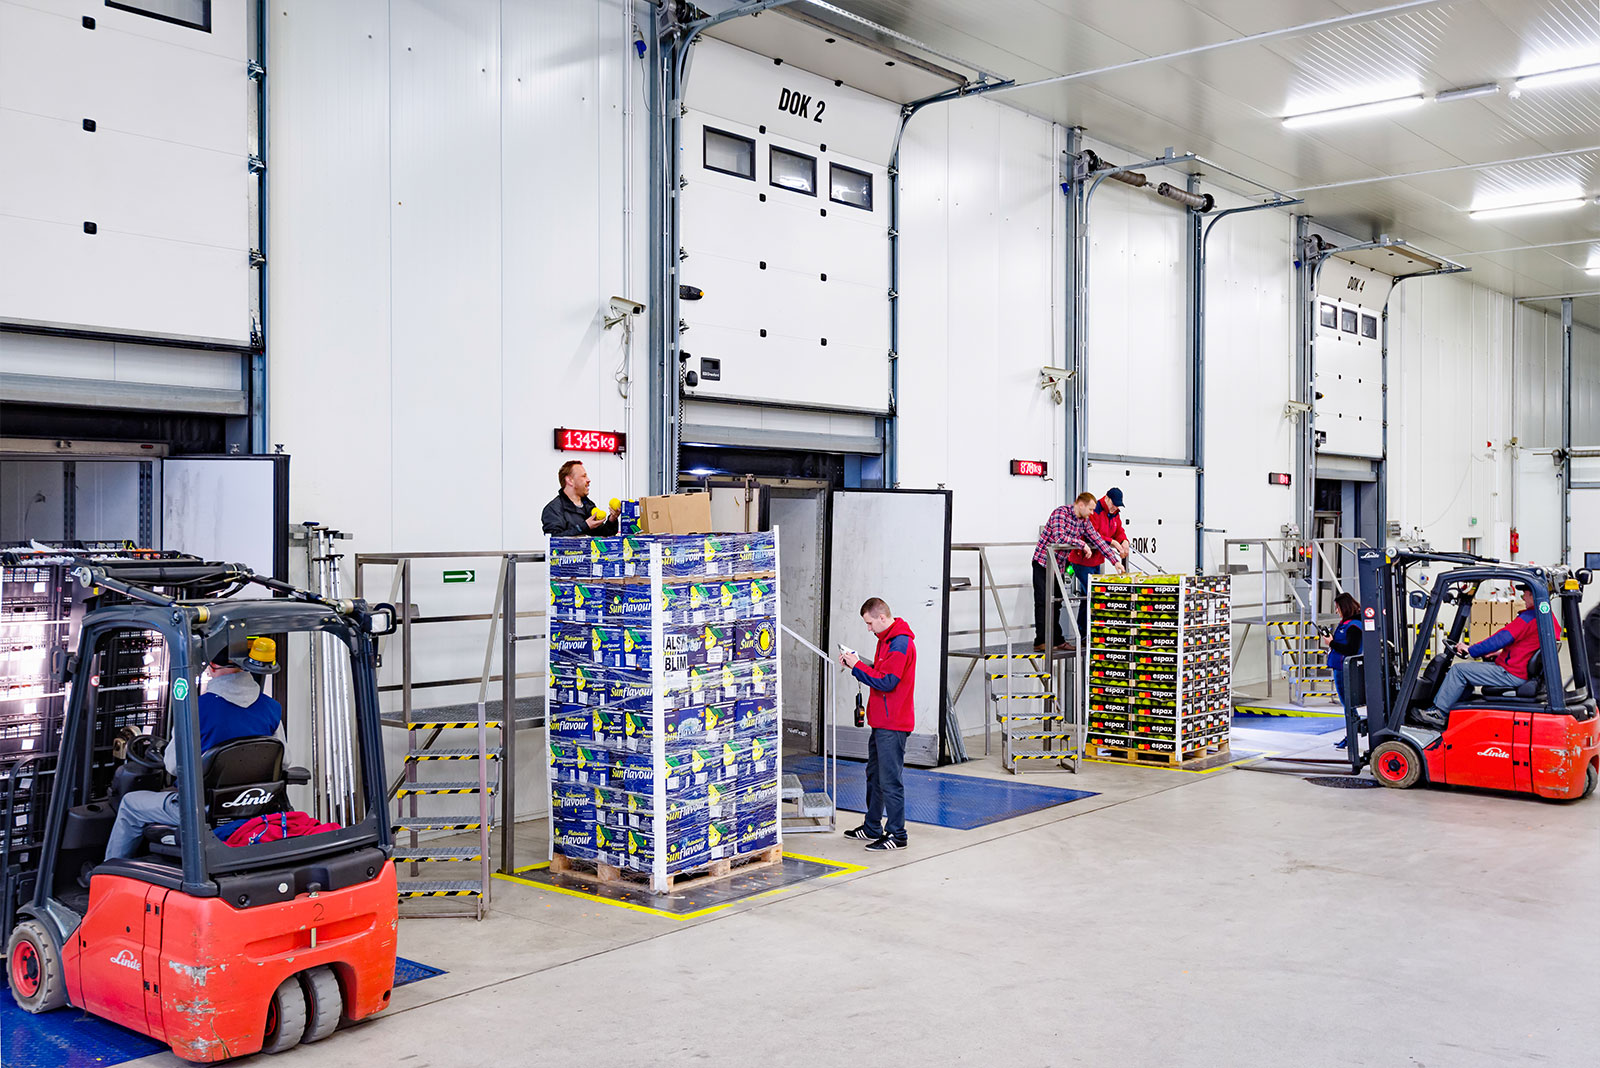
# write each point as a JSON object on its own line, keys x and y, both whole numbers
{"x": 621, "y": 308}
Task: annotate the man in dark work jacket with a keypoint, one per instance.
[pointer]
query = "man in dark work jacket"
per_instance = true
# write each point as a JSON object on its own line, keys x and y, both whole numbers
{"x": 571, "y": 514}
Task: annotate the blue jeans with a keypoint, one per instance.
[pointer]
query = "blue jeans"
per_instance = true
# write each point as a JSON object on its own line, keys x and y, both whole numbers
{"x": 1466, "y": 673}
{"x": 138, "y": 808}
{"x": 1084, "y": 571}
{"x": 886, "y": 791}
{"x": 1338, "y": 683}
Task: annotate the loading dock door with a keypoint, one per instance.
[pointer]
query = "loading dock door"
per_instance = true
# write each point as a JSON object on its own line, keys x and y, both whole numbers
{"x": 232, "y": 509}
{"x": 893, "y": 544}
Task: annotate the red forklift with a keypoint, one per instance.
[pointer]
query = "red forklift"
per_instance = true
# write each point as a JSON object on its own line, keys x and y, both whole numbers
{"x": 1541, "y": 738}
{"x": 218, "y": 950}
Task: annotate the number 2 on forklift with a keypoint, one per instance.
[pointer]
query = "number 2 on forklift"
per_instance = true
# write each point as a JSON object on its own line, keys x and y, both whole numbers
{"x": 218, "y": 950}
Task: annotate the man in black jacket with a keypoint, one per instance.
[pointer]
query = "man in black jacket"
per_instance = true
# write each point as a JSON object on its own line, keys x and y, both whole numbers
{"x": 571, "y": 513}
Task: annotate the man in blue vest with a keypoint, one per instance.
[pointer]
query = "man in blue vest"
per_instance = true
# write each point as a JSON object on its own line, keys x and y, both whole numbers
{"x": 232, "y": 707}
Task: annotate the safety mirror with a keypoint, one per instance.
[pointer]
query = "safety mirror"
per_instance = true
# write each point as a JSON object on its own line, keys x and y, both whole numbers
{"x": 1418, "y": 600}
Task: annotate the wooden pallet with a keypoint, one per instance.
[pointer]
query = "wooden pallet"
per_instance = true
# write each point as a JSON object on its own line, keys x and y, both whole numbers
{"x": 610, "y": 875}
{"x": 1097, "y": 751}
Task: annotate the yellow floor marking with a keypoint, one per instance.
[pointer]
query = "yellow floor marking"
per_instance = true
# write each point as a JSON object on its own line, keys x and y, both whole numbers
{"x": 843, "y": 869}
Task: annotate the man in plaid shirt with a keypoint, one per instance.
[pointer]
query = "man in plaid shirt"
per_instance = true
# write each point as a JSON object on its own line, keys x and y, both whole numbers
{"x": 1070, "y": 526}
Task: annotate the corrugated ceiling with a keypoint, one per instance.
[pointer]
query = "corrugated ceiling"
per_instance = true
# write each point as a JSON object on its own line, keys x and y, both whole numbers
{"x": 1363, "y": 177}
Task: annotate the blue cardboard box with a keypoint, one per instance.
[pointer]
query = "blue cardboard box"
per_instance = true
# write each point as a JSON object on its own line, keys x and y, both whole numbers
{"x": 582, "y": 602}
{"x": 571, "y": 642}
{"x": 722, "y": 838}
{"x": 621, "y": 646}
{"x": 580, "y": 763}
{"x": 755, "y": 639}
{"x": 578, "y": 684}
{"x": 757, "y": 832}
{"x": 574, "y": 838}
{"x": 755, "y": 715}
{"x": 572, "y": 723}
{"x": 572, "y": 802}
{"x": 679, "y": 725}
{"x": 628, "y": 691}
{"x": 628, "y": 603}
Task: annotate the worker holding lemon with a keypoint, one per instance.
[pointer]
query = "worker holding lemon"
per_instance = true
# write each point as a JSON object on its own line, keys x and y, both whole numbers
{"x": 572, "y": 514}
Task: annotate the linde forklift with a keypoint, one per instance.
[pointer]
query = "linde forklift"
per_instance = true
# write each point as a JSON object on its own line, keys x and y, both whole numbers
{"x": 1541, "y": 738}
{"x": 218, "y": 950}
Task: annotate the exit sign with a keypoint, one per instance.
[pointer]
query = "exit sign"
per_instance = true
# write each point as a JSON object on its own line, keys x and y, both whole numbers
{"x": 461, "y": 576}
{"x": 1034, "y": 468}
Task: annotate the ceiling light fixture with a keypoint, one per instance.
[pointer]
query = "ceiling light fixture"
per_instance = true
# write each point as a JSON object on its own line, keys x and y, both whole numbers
{"x": 1591, "y": 270}
{"x": 1529, "y": 209}
{"x": 1355, "y": 111}
{"x": 1564, "y": 76}
{"x": 1470, "y": 91}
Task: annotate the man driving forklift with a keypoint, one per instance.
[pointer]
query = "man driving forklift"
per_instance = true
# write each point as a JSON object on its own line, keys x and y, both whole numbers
{"x": 1514, "y": 646}
{"x": 233, "y": 706}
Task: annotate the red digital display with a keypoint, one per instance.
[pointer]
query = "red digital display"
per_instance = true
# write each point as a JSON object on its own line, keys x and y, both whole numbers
{"x": 568, "y": 440}
{"x": 1036, "y": 468}
{"x": 1277, "y": 478}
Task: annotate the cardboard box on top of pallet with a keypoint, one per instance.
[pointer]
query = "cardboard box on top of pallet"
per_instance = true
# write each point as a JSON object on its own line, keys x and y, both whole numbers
{"x": 676, "y": 513}
{"x": 1490, "y": 616}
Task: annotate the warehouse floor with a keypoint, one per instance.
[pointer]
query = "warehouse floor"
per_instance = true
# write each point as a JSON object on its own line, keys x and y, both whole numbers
{"x": 1231, "y": 918}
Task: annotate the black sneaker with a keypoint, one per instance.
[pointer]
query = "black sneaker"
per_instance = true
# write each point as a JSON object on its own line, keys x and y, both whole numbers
{"x": 861, "y": 834}
{"x": 1429, "y": 717}
{"x": 886, "y": 843}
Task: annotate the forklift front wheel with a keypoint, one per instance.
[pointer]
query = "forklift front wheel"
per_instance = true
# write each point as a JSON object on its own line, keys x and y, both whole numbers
{"x": 1396, "y": 764}
{"x": 33, "y": 968}
{"x": 286, "y": 1017}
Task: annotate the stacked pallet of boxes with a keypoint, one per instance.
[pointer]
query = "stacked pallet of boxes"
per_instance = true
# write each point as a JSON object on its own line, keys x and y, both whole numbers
{"x": 1160, "y": 672}
{"x": 664, "y": 744}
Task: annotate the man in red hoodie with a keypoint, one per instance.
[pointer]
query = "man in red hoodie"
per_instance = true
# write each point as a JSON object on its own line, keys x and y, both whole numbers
{"x": 892, "y": 676}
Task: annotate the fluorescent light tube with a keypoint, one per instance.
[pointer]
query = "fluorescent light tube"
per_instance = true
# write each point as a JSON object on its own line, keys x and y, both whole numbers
{"x": 1591, "y": 270}
{"x": 1470, "y": 91}
{"x": 1529, "y": 209}
{"x": 1355, "y": 111}
{"x": 1565, "y": 76}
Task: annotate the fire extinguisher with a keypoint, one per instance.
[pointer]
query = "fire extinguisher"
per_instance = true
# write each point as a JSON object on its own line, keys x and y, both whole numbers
{"x": 1516, "y": 542}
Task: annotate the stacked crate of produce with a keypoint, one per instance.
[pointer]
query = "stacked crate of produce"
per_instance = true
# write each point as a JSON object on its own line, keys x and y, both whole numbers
{"x": 1160, "y": 678}
{"x": 663, "y": 699}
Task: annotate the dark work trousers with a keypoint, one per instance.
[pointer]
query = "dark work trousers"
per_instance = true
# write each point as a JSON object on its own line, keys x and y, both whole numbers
{"x": 1084, "y": 571}
{"x": 886, "y": 790}
{"x": 1041, "y": 588}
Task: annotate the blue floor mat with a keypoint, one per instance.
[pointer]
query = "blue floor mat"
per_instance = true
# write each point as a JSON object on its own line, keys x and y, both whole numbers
{"x": 1287, "y": 724}
{"x": 71, "y": 1038}
{"x": 942, "y": 798}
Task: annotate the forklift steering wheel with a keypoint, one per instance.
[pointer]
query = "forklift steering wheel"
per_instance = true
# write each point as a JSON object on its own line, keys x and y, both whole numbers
{"x": 147, "y": 752}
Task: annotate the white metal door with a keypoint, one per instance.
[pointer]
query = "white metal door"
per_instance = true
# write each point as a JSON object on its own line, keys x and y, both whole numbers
{"x": 893, "y": 544}
{"x": 230, "y": 509}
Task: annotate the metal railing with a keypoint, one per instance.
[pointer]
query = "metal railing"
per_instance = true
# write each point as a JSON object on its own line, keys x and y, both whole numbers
{"x": 502, "y": 620}
{"x": 1059, "y": 593}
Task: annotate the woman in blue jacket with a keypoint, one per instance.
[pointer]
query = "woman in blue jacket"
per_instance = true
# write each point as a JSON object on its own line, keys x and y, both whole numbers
{"x": 1344, "y": 641}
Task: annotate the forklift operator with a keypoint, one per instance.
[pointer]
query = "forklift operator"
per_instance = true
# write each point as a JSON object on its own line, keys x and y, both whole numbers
{"x": 232, "y": 707}
{"x": 1517, "y": 644}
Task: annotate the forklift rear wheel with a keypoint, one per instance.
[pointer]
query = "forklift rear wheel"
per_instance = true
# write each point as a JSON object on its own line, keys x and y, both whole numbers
{"x": 324, "y": 1002}
{"x": 1590, "y": 778}
{"x": 1396, "y": 764}
{"x": 286, "y": 1017}
{"x": 34, "y": 968}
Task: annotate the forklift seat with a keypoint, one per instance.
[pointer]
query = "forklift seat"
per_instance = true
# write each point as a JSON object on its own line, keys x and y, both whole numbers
{"x": 242, "y": 779}
{"x": 1533, "y": 687}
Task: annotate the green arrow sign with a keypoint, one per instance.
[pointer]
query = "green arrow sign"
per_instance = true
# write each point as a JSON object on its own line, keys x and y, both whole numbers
{"x": 461, "y": 576}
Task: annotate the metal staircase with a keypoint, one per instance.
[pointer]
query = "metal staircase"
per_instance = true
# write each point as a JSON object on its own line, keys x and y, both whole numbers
{"x": 1303, "y": 659}
{"x": 411, "y": 787}
{"x": 1032, "y": 695}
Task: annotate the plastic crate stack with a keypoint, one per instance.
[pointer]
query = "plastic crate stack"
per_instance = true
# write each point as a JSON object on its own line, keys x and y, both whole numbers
{"x": 35, "y": 615}
{"x": 664, "y": 695}
{"x": 1160, "y": 669}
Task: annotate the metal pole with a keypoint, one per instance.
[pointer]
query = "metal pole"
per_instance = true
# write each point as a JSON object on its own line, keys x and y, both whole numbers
{"x": 1566, "y": 429}
{"x": 1071, "y": 280}
{"x": 1195, "y": 262}
{"x": 259, "y": 409}
{"x": 508, "y": 719}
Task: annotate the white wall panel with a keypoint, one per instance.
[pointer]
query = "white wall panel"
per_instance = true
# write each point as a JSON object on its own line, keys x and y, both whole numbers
{"x": 1137, "y": 367}
{"x": 445, "y": 229}
{"x": 1450, "y": 413}
{"x": 1158, "y": 511}
{"x": 1349, "y": 358}
{"x": 1249, "y": 377}
{"x": 1538, "y": 507}
{"x": 1585, "y": 387}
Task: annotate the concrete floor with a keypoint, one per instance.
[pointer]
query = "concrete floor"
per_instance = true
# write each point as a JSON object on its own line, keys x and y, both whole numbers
{"x": 1225, "y": 919}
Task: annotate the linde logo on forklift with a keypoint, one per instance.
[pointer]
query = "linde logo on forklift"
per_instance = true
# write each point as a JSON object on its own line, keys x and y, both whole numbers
{"x": 1494, "y": 751}
{"x": 253, "y": 796}
{"x": 126, "y": 959}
